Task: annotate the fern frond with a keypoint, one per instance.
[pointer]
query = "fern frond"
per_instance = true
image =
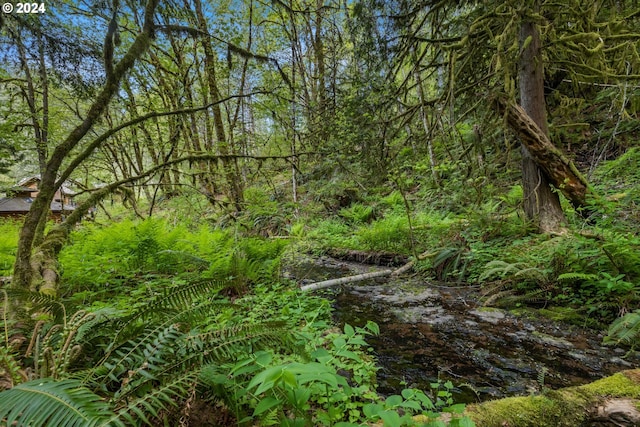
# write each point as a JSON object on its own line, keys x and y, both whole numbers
{"x": 625, "y": 329}
{"x": 154, "y": 401}
{"x": 174, "y": 258}
{"x": 10, "y": 367}
{"x": 192, "y": 351}
{"x": 577, "y": 276}
{"x": 172, "y": 301}
{"x": 497, "y": 296}
{"x": 40, "y": 302}
{"x": 179, "y": 297}
{"x": 226, "y": 343}
{"x": 500, "y": 269}
{"x": 53, "y": 403}
{"x": 495, "y": 287}
{"x": 533, "y": 273}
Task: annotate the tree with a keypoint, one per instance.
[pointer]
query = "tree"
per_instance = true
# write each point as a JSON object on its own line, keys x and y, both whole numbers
{"x": 541, "y": 204}
{"x": 52, "y": 175}
{"x": 483, "y": 51}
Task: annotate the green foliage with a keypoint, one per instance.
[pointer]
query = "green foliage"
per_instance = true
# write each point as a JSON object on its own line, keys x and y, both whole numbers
{"x": 390, "y": 233}
{"x": 8, "y": 246}
{"x": 335, "y": 387}
{"x": 513, "y": 272}
{"x": 264, "y": 215}
{"x": 270, "y": 355}
{"x": 451, "y": 263}
{"x": 48, "y": 402}
{"x": 332, "y": 233}
{"x": 357, "y": 213}
{"x": 625, "y": 330}
{"x": 114, "y": 258}
{"x": 9, "y": 367}
{"x": 143, "y": 360}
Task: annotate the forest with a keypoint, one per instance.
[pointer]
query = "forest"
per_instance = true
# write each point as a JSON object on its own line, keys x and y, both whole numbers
{"x": 180, "y": 178}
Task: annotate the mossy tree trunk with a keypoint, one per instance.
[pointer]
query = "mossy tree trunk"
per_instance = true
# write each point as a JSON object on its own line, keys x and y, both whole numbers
{"x": 28, "y": 270}
{"x": 230, "y": 163}
{"x": 541, "y": 204}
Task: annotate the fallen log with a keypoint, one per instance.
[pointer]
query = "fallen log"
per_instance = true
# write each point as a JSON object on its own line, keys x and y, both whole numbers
{"x": 360, "y": 277}
{"x": 344, "y": 280}
{"x": 381, "y": 258}
{"x": 611, "y": 401}
{"x": 561, "y": 171}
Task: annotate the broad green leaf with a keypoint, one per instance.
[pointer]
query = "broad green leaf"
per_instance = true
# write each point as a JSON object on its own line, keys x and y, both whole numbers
{"x": 373, "y": 327}
{"x": 391, "y": 418}
{"x": 412, "y": 404}
{"x": 321, "y": 355}
{"x": 393, "y": 400}
{"x": 348, "y": 354}
{"x": 348, "y": 330}
{"x": 266, "y": 404}
{"x": 458, "y": 408}
{"x": 339, "y": 342}
{"x": 372, "y": 410}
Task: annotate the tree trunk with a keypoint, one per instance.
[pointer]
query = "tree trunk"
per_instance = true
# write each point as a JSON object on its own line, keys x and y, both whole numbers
{"x": 541, "y": 204}
{"x": 23, "y": 269}
{"x": 424, "y": 120}
{"x": 231, "y": 169}
{"x": 562, "y": 173}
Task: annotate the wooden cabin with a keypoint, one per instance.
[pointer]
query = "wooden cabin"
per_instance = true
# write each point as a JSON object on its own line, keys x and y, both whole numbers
{"x": 18, "y": 200}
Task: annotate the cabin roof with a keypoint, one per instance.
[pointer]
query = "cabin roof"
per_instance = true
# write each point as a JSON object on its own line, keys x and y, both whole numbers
{"x": 23, "y": 204}
{"x": 15, "y": 204}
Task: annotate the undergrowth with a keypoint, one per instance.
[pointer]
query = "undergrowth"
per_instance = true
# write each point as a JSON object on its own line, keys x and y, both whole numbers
{"x": 8, "y": 244}
{"x": 155, "y": 318}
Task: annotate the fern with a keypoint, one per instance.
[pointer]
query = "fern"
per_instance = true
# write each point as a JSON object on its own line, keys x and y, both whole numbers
{"x": 9, "y": 368}
{"x": 509, "y": 271}
{"x": 143, "y": 362}
{"x": 46, "y": 402}
{"x": 498, "y": 296}
{"x": 499, "y": 268}
{"x": 172, "y": 260}
{"x": 39, "y": 303}
{"x": 165, "y": 305}
{"x": 150, "y": 405}
{"x": 625, "y": 329}
{"x": 578, "y": 276}
{"x": 451, "y": 261}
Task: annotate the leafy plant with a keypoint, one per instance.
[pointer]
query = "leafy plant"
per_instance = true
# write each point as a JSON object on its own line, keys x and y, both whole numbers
{"x": 142, "y": 361}
{"x": 624, "y": 330}
{"x": 357, "y": 213}
{"x": 390, "y": 233}
{"x": 450, "y": 263}
{"x": 56, "y": 403}
{"x": 513, "y": 271}
{"x": 8, "y": 246}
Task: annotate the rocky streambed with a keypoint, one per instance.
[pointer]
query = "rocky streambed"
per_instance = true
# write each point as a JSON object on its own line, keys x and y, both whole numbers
{"x": 430, "y": 333}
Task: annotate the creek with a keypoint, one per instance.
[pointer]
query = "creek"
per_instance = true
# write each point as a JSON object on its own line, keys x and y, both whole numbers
{"x": 430, "y": 333}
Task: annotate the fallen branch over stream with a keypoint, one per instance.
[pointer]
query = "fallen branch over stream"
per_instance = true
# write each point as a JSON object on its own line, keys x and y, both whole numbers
{"x": 360, "y": 277}
{"x": 344, "y": 280}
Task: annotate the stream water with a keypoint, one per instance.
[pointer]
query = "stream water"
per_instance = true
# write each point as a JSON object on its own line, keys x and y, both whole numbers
{"x": 429, "y": 333}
